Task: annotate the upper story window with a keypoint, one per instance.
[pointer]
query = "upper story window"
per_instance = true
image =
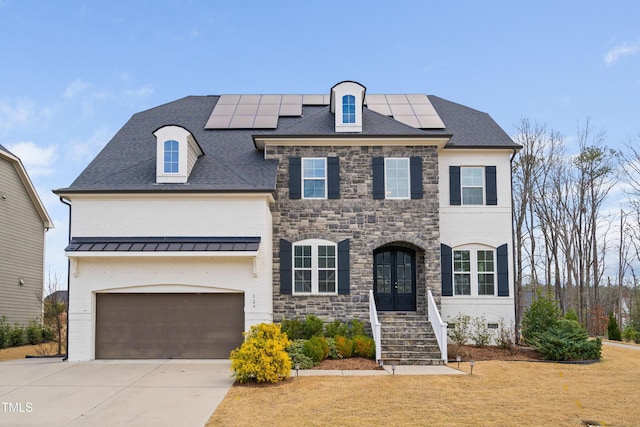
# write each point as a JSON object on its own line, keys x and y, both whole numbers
{"x": 396, "y": 174}
{"x": 474, "y": 272}
{"x": 346, "y": 104}
{"x": 177, "y": 152}
{"x": 472, "y": 182}
{"x": 315, "y": 267}
{"x": 314, "y": 178}
{"x": 473, "y": 185}
{"x": 397, "y": 177}
{"x": 348, "y": 109}
{"x": 171, "y": 156}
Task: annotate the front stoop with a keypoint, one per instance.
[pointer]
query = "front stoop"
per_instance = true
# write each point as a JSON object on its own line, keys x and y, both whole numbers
{"x": 408, "y": 339}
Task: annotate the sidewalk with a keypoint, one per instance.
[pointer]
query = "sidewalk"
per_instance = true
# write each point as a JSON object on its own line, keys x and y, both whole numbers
{"x": 400, "y": 370}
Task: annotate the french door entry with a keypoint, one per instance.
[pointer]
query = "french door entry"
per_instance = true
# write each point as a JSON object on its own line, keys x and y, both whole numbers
{"x": 394, "y": 279}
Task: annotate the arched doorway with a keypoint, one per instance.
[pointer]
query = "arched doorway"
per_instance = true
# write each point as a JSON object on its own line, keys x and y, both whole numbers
{"x": 394, "y": 278}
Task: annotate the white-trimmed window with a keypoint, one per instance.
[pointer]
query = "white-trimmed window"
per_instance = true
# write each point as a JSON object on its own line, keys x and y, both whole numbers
{"x": 315, "y": 267}
{"x": 472, "y": 183}
{"x": 474, "y": 272}
{"x": 314, "y": 178}
{"x": 348, "y": 109}
{"x": 397, "y": 178}
{"x": 171, "y": 156}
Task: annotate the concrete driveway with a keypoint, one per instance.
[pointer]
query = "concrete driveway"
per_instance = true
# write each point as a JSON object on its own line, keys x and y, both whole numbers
{"x": 39, "y": 392}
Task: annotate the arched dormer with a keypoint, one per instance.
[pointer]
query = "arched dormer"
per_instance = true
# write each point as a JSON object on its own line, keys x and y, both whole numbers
{"x": 347, "y": 99}
{"x": 176, "y": 153}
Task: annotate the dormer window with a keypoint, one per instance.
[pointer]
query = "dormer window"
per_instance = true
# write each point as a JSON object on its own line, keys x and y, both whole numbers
{"x": 348, "y": 109}
{"x": 347, "y": 100}
{"x": 171, "y": 156}
{"x": 176, "y": 154}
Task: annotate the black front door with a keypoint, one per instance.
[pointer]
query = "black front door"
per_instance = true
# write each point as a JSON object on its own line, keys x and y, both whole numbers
{"x": 394, "y": 279}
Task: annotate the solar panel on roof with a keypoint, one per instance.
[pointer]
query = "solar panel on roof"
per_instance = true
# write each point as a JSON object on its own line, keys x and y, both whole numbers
{"x": 263, "y": 111}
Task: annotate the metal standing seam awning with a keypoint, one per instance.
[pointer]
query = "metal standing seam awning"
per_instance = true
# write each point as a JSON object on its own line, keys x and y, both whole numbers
{"x": 80, "y": 247}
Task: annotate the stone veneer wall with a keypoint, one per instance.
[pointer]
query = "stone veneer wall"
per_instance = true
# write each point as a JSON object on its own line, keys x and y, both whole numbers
{"x": 357, "y": 216}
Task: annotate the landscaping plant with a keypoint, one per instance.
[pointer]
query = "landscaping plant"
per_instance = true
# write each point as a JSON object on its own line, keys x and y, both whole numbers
{"x": 364, "y": 346}
{"x": 263, "y": 356}
{"x": 542, "y": 315}
{"x": 613, "y": 332}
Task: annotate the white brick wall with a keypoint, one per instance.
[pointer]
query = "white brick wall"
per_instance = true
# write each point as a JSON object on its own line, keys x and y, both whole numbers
{"x": 154, "y": 216}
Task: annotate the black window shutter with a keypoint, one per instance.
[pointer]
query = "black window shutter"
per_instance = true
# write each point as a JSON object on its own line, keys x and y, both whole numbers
{"x": 333, "y": 177}
{"x": 492, "y": 187}
{"x": 416, "y": 177}
{"x": 343, "y": 267}
{"x": 454, "y": 185}
{"x": 285, "y": 267}
{"x": 503, "y": 271}
{"x": 295, "y": 178}
{"x": 378, "y": 177}
{"x": 446, "y": 270}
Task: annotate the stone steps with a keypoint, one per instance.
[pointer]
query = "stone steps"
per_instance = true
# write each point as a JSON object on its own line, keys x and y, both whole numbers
{"x": 408, "y": 339}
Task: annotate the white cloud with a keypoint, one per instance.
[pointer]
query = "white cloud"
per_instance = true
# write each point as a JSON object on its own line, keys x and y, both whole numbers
{"x": 145, "y": 90}
{"x": 82, "y": 151}
{"x": 16, "y": 113}
{"x": 625, "y": 49}
{"x": 76, "y": 88}
{"x": 37, "y": 160}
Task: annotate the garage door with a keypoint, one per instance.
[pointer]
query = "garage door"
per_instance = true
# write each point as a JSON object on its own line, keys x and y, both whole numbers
{"x": 166, "y": 326}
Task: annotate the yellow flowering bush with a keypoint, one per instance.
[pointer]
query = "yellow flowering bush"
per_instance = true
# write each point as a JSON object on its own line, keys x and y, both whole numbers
{"x": 262, "y": 357}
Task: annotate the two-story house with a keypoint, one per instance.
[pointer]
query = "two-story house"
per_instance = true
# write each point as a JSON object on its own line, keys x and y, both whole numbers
{"x": 24, "y": 222}
{"x": 209, "y": 214}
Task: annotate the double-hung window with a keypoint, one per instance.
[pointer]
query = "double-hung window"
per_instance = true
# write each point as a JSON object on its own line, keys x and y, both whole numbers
{"x": 171, "y": 156}
{"x": 472, "y": 180}
{"x": 462, "y": 272}
{"x": 396, "y": 173}
{"x": 348, "y": 109}
{"x": 314, "y": 178}
{"x": 474, "y": 272}
{"x": 315, "y": 267}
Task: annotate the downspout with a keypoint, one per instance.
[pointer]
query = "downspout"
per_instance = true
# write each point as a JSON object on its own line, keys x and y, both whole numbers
{"x": 68, "y": 282}
{"x": 513, "y": 251}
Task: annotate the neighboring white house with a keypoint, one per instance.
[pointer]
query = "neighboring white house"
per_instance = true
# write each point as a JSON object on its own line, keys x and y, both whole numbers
{"x": 209, "y": 214}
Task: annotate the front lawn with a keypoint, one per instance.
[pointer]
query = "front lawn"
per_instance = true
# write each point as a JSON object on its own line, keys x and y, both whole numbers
{"x": 498, "y": 393}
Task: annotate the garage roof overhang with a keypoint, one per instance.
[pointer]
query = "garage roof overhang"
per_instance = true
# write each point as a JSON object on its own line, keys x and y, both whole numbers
{"x": 163, "y": 246}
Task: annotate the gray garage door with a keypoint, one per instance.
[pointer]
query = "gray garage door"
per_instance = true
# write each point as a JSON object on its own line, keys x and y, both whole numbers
{"x": 166, "y": 326}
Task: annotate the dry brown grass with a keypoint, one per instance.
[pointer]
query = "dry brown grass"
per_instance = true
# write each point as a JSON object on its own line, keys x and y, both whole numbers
{"x": 497, "y": 394}
{"x": 21, "y": 352}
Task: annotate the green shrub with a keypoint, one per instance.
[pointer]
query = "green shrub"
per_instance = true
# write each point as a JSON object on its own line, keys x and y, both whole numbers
{"x": 5, "y": 330}
{"x": 312, "y": 327}
{"x": 630, "y": 334}
{"x": 565, "y": 341}
{"x": 35, "y": 332}
{"x": 481, "y": 334}
{"x": 336, "y": 328}
{"x": 17, "y": 336}
{"x": 356, "y": 328}
{"x": 613, "y": 332}
{"x": 48, "y": 334}
{"x": 459, "y": 329}
{"x": 344, "y": 346}
{"x": 542, "y": 315}
{"x": 262, "y": 357}
{"x": 364, "y": 346}
{"x": 333, "y": 349}
{"x": 571, "y": 315}
{"x": 293, "y": 328}
{"x": 296, "y": 353}
{"x": 314, "y": 350}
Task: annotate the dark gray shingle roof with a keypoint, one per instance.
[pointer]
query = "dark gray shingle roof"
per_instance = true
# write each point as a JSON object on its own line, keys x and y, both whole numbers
{"x": 231, "y": 161}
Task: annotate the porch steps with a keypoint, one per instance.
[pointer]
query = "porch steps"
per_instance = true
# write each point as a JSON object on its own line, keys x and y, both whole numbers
{"x": 408, "y": 339}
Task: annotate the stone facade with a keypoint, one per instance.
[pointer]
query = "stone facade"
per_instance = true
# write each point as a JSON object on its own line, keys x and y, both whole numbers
{"x": 356, "y": 215}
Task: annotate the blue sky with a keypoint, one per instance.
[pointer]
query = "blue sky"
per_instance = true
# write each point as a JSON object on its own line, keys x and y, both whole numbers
{"x": 73, "y": 72}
